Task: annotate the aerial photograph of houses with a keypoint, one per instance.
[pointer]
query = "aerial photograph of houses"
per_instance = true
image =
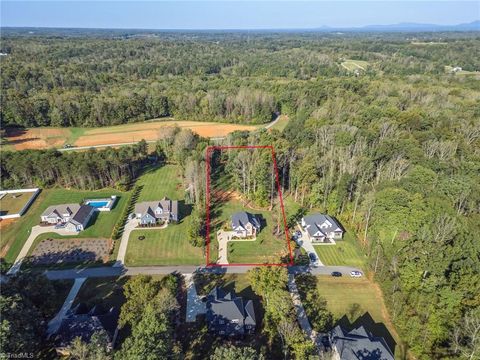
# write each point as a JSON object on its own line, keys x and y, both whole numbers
{"x": 240, "y": 180}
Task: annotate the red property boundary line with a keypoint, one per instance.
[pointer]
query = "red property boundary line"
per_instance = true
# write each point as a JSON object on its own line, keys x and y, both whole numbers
{"x": 209, "y": 151}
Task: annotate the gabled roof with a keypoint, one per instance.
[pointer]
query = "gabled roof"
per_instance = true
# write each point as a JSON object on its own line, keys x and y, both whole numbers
{"x": 149, "y": 207}
{"x": 321, "y": 223}
{"x": 359, "y": 344}
{"x": 61, "y": 209}
{"x": 82, "y": 215}
{"x": 229, "y": 306}
{"x": 242, "y": 218}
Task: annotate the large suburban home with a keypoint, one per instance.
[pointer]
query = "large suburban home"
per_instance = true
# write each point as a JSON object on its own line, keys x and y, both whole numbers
{"x": 245, "y": 224}
{"x": 358, "y": 344}
{"x": 74, "y": 217}
{"x": 228, "y": 314}
{"x": 152, "y": 212}
{"x": 322, "y": 228}
{"x": 83, "y": 323}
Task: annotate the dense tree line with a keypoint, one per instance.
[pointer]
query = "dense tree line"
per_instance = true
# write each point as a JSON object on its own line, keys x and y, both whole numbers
{"x": 90, "y": 170}
{"x": 104, "y": 80}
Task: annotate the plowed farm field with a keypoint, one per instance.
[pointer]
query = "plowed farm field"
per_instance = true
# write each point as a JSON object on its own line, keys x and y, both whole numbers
{"x": 43, "y": 138}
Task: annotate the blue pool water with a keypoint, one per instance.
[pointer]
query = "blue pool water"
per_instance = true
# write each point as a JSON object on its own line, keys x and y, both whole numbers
{"x": 98, "y": 204}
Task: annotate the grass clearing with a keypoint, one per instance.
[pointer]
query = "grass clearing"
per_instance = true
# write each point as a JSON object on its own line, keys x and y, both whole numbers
{"x": 12, "y": 203}
{"x": 346, "y": 252}
{"x": 14, "y": 236}
{"x": 159, "y": 182}
{"x": 352, "y": 65}
{"x": 281, "y": 124}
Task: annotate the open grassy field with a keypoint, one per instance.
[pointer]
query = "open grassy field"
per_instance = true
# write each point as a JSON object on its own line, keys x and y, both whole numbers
{"x": 14, "y": 236}
{"x": 49, "y": 137}
{"x": 169, "y": 246}
{"x": 12, "y": 203}
{"x": 352, "y": 65}
{"x": 449, "y": 69}
{"x": 281, "y": 123}
{"x": 345, "y": 252}
{"x": 159, "y": 182}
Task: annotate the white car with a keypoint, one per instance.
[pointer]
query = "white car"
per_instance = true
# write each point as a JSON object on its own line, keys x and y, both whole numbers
{"x": 355, "y": 274}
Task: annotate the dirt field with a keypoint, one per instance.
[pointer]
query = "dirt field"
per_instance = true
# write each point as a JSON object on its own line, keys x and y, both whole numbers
{"x": 37, "y": 138}
{"x": 42, "y": 138}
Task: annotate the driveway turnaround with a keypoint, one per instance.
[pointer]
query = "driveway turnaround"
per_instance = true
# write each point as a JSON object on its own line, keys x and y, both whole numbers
{"x": 36, "y": 230}
{"x": 195, "y": 305}
{"x": 301, "y": 314}
{"x": 55, "y": 323}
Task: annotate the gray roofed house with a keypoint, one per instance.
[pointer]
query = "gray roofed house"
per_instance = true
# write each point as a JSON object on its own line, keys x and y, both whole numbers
{"x": 83, "y": 323}
{"x": 358, "y": 344}
{"x": 150, "y": 212}
{"x": 322, "y": 228}
{"x": 228, "y": 314}
{"x": 75, "y": 217}
{"x": 80, "y": 219}
{"x": 245, "y": 224}
{"x": 59, "y": 213}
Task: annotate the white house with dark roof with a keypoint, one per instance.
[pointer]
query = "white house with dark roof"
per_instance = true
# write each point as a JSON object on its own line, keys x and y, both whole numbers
{"x": 322, "y": 228}
{"x": 74, "y": 217}
{"x": 245, "y": 224}
{"x": 151, "y": 212}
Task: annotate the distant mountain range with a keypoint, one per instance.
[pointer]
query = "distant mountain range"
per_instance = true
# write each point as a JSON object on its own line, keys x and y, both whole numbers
{"x": 408, "y": 27}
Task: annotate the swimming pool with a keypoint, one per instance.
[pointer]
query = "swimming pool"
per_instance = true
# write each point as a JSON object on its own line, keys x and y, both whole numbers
{"x": 105, "y": 204}
{"x": 98, "y": 204}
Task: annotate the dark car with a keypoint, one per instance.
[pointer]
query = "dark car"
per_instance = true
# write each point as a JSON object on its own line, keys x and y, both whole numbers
{"x": 312, "y": 257}
{"x": 336, "y": 274}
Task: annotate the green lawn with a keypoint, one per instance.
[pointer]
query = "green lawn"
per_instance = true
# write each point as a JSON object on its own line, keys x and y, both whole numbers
{"x": 17, "y": 233}
{"x": 353, "y": 298}
{"x": 345, "y": 252}
{"x": 169, "y": 246}
{"x": 12, "y": 203}
{"x": 160, "y": 182}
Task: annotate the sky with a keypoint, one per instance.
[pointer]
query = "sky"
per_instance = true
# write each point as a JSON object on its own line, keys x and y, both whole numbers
{"x": 232, "y": 14}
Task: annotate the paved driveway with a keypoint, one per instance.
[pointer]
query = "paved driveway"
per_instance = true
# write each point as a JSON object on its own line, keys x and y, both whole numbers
{"x": 306, "y": 244}
{"x": 36, "y": 230}
{"x": 130, "y": 225}
{"x": 195, "y": 306}
{"x": 55, "y": 323}
{"x": 301, "y": 314}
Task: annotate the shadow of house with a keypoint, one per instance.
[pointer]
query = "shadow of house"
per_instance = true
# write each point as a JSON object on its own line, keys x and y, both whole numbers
{"x": 363, "y": 339}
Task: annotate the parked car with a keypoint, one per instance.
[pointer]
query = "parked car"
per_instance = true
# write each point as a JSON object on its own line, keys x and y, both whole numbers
{"x": 336, "y": 274}
{"x": 298, "y": 234}
{"x": 355, "y": 274}
{"x": 67, "y": 146}
{"x": 313, "y": 257}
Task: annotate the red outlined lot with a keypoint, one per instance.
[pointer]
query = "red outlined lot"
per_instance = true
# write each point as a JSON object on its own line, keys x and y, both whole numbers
{"x": 209, "y": 151}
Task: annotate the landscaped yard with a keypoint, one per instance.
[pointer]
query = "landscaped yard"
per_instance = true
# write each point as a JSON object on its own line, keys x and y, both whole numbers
{"x": 345, "y": 252}
{"x": 169, "y": 246}
{"x": 15, "y": 235}
{"x": 161, "y": 181}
